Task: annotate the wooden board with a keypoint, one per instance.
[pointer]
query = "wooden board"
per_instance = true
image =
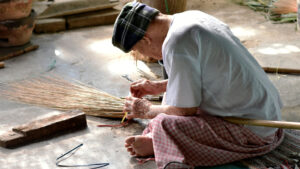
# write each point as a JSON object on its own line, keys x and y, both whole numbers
{"x": 102, "y": 17}
{"x": 12, "y": 139}
{"x": 75, "y": 7}
{"x": 43, "y": 128}
{"x": 50, "y": 25}
{"x": 10, "y": 52}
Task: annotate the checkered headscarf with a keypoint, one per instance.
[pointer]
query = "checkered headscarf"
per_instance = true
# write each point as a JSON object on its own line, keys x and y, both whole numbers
{"x": 131, "y": 25}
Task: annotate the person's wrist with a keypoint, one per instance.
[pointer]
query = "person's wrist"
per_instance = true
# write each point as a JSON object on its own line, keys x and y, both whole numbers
{"x": 159, "y": 87}
{"x": 141, "y": 107}
{"x": 149, "y": 113}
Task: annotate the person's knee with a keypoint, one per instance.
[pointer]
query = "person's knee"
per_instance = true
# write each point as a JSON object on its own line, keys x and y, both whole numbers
{"x": 164, "y": 119}
{"x": 159, "y": 119}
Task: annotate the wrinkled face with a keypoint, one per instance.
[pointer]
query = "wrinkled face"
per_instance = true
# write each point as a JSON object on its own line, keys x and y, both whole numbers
{"x": 148, "y": 48}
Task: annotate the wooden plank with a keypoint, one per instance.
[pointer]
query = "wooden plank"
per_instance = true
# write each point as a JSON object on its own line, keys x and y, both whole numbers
{"x": 43, "y": 128}
{"x": 102, "y": 17}
{"x": 10, "y": 52}
{"x": 53, "y": 124}
{"x": 75, "y": 7}
{"x": 50, "y": 25}
{"x": 11, "y": 139}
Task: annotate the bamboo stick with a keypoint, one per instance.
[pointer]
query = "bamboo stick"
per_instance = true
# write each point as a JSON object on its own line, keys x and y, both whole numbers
{"x": 2, "y": 65}
{"x": 118, "y": 115}
{"x": 265, "y": 123}
{"x": 281, "y": 70}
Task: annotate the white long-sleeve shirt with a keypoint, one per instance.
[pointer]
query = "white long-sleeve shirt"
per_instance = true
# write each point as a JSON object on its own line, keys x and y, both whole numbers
{"x": 208, "y": 67}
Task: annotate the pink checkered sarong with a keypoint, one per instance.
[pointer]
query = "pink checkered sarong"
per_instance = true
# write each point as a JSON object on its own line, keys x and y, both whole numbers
{"x": 204, "y": 140}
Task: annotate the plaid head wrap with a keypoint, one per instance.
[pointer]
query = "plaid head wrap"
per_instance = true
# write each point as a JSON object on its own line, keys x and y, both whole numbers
{"x": 131, "y": 25}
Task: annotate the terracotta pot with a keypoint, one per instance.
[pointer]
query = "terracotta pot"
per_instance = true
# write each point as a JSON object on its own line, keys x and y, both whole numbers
{"x": 16, "y": 32}
{"x": 14, "y": 9}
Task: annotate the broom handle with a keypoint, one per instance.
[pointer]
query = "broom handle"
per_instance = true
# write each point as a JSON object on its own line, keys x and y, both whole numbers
{"x": 281, "y": 70}
{"x": 265, "y": 123}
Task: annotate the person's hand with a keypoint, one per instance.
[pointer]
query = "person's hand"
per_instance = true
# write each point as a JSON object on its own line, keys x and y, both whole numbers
{"x": 143, "y": 87}
{"x": 136, "y": 107}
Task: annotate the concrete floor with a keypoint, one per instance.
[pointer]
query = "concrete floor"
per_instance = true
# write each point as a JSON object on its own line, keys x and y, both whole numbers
{"x": 87, "y": 55}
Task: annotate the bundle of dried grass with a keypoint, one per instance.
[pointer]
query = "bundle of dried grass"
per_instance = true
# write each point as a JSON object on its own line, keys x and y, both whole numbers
{"x": 280, "y": 11}
{"x": 283, "y": 11}
{"x": 284, "y": 7}
{"x": 57, "y": 93}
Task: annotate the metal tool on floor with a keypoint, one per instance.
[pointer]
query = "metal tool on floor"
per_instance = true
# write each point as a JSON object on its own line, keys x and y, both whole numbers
{"x": 91, "y": 166}
{"x": 127, "y": 77}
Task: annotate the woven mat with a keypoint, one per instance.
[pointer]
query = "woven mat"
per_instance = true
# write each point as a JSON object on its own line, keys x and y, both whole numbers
{"x": 285, "y": 156}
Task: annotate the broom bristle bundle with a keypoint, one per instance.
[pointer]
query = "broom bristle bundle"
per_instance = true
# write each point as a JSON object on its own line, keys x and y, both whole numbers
{"x": 56, "y": 93}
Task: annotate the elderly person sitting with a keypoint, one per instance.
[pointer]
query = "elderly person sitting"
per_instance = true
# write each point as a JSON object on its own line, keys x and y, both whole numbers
{"x": 210, "y": 75}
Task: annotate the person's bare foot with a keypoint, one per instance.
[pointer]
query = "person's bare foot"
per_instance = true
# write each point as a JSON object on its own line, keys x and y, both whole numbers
{"x": 139, "y": 146}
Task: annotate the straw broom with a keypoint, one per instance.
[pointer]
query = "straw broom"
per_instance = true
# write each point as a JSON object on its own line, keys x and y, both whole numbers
{"x": 57, "y": 93}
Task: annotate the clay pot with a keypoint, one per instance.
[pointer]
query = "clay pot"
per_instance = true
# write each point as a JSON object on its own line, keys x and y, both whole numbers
{"x": 16, "y": 32}
{"x": 14, "y": 9}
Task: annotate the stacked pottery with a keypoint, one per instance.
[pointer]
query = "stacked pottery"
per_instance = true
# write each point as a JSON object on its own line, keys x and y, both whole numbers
{"x": 16, "y": 22}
